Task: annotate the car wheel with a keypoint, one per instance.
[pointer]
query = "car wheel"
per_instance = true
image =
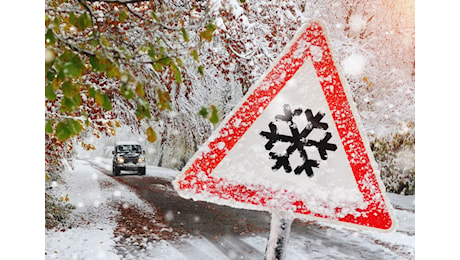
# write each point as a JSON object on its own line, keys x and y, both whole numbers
{"x": 116, "y": 171}
{"x": 141, "y": 171}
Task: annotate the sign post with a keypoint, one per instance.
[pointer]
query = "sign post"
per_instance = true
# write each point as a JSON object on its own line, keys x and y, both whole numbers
{"x": 280, "y": 229}
{"x": 293, "y": 144}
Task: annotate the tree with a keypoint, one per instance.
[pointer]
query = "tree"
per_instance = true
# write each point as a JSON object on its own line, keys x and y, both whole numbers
{"x": 109, "y": 61}
{"x": 114, "y": 62}
{"x": 171, "y": 69}
{"x": 372, "y": 41}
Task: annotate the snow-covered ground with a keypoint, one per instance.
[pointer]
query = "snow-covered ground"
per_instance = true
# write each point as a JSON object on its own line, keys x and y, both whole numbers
{"x": 93, "y": 225}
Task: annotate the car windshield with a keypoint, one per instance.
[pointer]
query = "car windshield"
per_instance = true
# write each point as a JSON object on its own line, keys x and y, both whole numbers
{"x": 129, "y": 148}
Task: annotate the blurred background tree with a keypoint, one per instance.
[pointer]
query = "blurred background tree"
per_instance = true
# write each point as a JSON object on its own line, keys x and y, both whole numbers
{"x": 168, "y": 71}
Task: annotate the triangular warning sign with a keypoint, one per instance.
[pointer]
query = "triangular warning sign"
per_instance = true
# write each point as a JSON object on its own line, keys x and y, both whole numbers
{"x": 293, "y": 143}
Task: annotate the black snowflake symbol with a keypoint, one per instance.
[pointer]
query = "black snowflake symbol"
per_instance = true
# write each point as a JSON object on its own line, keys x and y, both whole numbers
{"x": 298, "y": 140}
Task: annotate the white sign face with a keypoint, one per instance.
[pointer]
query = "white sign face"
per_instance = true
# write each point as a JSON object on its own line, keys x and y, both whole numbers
{"x": 293, "y": 143}
{"x": 331, "y": 184}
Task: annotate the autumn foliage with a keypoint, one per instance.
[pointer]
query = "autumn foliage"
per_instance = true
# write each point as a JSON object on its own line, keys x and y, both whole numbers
{"x": 109, "y": 63}
{"x": 172, "y": 69}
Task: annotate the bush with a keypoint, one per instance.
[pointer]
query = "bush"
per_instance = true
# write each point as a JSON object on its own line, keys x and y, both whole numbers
{"x": 395, "y": 155}
{"x": 57, "y": 208}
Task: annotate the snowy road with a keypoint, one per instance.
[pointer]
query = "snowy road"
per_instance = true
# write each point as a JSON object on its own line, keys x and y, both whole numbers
{"x": 220, "y": 232}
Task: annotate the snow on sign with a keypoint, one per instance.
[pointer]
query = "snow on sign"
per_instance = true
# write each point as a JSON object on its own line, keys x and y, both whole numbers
{"x": 293, "y": 143}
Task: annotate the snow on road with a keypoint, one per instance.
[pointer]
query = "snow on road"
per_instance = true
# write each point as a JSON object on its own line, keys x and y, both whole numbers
{"x": 90, "y": 241}
{"x": 91, "y": 235}
{"x": 93, "y": 225}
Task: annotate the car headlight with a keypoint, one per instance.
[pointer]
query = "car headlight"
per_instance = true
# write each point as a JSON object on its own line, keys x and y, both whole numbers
{"x": 121, "y": 160}
{"x": 140, "y": 160}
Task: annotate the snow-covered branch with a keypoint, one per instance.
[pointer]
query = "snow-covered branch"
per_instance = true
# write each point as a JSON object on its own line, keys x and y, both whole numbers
{"x": 124, "y": 2}
{"x": 246, "y": 56}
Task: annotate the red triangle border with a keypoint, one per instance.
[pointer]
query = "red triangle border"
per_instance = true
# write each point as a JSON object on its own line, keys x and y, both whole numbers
{"x": 376, "y": 215}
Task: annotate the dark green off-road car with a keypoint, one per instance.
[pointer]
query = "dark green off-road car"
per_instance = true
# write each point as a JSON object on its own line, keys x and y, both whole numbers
{"x": 128, "y": 156}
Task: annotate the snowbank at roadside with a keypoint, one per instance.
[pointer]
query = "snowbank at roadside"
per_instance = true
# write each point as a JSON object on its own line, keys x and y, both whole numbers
{"x": 92, "y": 224}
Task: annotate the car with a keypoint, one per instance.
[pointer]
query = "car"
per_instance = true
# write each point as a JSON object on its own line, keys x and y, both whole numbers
{"x": 128, "y": 156}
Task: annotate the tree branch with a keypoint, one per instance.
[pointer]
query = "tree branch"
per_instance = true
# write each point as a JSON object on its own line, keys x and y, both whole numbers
{"x": 74, "y": 47}
{"x": 123, "y": 2}
{"x": 246, "y": 56}
{"x": 69, "y": 10}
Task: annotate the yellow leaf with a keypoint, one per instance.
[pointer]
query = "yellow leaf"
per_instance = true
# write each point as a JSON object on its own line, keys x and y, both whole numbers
{"x": 151, "y": 135}
{"x": 366, "y": 80}
{"x": 99, "y": 98}
{"x": 140, "y": 89}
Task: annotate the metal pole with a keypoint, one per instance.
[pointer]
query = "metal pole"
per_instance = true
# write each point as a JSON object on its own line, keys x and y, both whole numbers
{"x": 280, "y": 228}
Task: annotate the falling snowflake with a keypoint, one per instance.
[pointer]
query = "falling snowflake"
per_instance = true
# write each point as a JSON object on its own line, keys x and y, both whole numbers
{"x": 298, "y": 140}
